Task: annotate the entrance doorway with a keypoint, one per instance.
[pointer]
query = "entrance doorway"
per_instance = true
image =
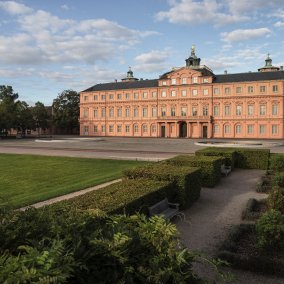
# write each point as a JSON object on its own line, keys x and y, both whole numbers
{"x": 204, "y": 131}
{"x": 183, "y": 129}
{"x": 163, "y": 131}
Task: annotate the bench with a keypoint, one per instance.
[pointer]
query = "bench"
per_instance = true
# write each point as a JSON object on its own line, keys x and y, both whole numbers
{"x": 164, "y": 208}
{"x": 225, "y": 170}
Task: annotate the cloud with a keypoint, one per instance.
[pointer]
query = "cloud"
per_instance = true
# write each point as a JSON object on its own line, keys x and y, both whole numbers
{"x": 15, "y": 8}
{"x": 65, "y": 7}
{"x": 279, "y": 24}
{"x": 242, "y": 35}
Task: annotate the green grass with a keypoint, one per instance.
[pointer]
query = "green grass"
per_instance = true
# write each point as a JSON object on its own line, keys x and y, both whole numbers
{"x": 27, "y": 179}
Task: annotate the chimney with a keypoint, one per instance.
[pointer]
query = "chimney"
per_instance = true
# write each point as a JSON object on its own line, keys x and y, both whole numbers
{"x": 225, "y": 72}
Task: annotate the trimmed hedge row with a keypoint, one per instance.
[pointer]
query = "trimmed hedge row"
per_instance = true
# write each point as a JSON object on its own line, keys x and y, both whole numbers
{"x": 187, "y": 180}
{"x": 210, "y": 167}
{"x": 127, "y": 196}
{"x": 244, "y": 158}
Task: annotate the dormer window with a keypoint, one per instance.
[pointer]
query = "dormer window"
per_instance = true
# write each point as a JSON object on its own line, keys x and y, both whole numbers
{"x": 184, "y": 81}
{"x": 205, "y": 80}
{"x": 194, "y": 80}
{"x": 174, "y": 81}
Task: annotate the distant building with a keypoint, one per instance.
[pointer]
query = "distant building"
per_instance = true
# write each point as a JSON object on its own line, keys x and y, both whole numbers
{"x": 188, "y": 102}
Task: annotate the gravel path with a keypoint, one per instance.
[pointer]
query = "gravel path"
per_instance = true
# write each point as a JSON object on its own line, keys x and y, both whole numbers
{"x": 208, "y": 221}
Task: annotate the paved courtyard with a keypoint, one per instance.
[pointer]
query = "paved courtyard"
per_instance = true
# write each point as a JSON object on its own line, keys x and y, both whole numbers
{"x": 119, "y": 147}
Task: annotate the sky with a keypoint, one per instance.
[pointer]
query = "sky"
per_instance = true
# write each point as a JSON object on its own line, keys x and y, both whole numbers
{"x": 47, "y": 47}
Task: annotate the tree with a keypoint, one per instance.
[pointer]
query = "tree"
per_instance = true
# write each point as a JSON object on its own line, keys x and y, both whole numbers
{"x": 40, "y": 116}
{"x": 24, "y": 117}
{"x": 66, "y": 111}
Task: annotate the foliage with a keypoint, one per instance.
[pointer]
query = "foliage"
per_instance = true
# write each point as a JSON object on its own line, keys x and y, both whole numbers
{"x": 209, "y": 166}
{"x": 264, "y": 185}
{"x": 278, "y": 179}
{"x": 66, "y": 111}
{"x": 41, "y": 116}
{"x": 275, "y": 199}
{"x": 250, "y": 212}
{"x": 127, "y": 196}
{"x": 277, "y": 162}
{"x": 186, "y": 180}
{"x": 270, "y": 230}
{"x": 70, "y": 246}
{"x": 39, "y": 178}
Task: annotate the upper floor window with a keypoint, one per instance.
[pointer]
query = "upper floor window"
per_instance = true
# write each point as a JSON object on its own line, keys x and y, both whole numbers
{"x": 119, "y": 96}
{"x": 238, "y": 110}
{"x": 136, "y": 112}
{"x": 275, "y": 88}
{"x": 194, "y": 111}
{"x": 154, "y": 94}
{"x": 173, "y": 93}
{"x": 227, "y": 110}
{"x": 164, "y": 83}
{"x": 239, "y": 90}
{"x": 205, "y": 92}
{"x": 119, "y": 112}
{"x": 103, "y": 97}
{"x": 174, "y": 81}
{"x": 145, "y": 95}
{"x": 205, "y": 110}
{"x": 86, "y": 112}
{"x": 250, "y": 109}
{"x": 262, "y": 89}
{"x": 164, "y": 94}
{"x": 194, "y": 92}
{"x": 86, "y": 98}
{"x": 216, "y": 110}
{"x": 173, "y": 111}
{"x": 163, "y": 111}
{"x": 154, "y": 112}
{"x": 262, "y": 109}
{"x": 274, "y": 109}
{"x": 111, "y": 97}
{"x": 183, "y": 93}
{"x": 127, "y": 96}
{"x": 216, "y": 91}
{"x": 145, "y": 111}
{"x": 127, "y": 112}
{"x": 227, "y": 91}
{"x": 136, "y": 96}
{"x": 250, "y": 89}
{"x": 103, "y": 112}
{"x": 95, "y": 113}
{"x": 95, "y": 97}
{"x": 184, "y": 80}
{"x": 183, "y": 111}
{"x": 205, "y": 80}
{"x": 111, "y": 112}
{"x": 194, "y": 80}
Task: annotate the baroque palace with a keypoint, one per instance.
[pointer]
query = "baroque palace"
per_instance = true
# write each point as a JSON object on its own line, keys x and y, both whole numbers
{"x": 188, "y": 102}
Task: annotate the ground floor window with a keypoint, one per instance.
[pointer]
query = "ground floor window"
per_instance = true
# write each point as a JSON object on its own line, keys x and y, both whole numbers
{"x": 250, "y": 129}
{"x": 119, "y": 128}
{"x": 262, "y": 129}
{"x": 145, "y": 128}
{"x": 238, "y": 129}
{"x": 110, "y": 128}
{"x": 95, "y": 128}
{"x": 103, "y": 128}
{"x": 274, "y": 129}
{"x": 127, "y": 128}
{"x": 227, "y": 129}
{"x": 216, "y": 128}
{"x": 136, "y": 128}
{"x": 154, "y": 128}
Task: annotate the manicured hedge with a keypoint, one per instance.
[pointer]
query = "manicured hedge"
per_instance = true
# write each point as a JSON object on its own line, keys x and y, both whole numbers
{"x": 127, "y": 196}
{"x": 210, "y": 167}
{"x": 187, "y": 180}
{"x": 228, "y": 153}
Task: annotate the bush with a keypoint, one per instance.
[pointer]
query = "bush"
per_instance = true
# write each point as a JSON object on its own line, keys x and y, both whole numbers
{"x": 228, "y": 153}
{"x": 264, "y": 185}
{"x": 275, "y": 199}
{"x": 186, "y": 180}
{"x": 277, "y": 162}
{"x": 210, "y": 167}
{"x": 251, "y": 211}
{"x": 278, "y": 180}
{"x": 127, "y": 196}
{"x": 270, "y": 230}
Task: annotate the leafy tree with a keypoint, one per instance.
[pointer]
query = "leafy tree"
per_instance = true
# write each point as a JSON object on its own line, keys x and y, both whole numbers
{"x": 40, "y": 116}
{"x": 24, "y": 117}
{"x": 66, "y": 111}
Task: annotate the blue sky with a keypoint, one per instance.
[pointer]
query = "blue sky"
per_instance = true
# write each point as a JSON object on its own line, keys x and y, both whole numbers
{"x": 50, "y": 46}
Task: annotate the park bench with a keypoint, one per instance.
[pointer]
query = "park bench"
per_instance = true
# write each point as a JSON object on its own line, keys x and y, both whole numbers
{"x": 164, "y": 208}
{"x": 225, "y": 170}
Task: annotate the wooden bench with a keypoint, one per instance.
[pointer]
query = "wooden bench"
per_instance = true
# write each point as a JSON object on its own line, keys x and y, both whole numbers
{"x": 164, "y": 208}
{"x": 225, "y": 170}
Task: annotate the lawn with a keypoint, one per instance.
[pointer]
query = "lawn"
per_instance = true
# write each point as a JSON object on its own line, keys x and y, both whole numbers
{"x": 27, "y": 179}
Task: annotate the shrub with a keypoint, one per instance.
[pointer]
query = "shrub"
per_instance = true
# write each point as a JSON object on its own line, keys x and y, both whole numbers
{"x": 278, "y": 180}
{"x": 228, "y": 153}
{"x": 210, "y": 167}
{"x": 275, "y": 199}
{"x": 264, "y": 185}
{"x": 127, "y": 196}
{"x": 252, "y": 212}
{"x": 277, "y": 162}
{"x": 187, "y": 180}
{"x": 270, "y": 230}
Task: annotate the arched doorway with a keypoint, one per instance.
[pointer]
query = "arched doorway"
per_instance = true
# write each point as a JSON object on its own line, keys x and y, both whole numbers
{"x": 182, "y": 129}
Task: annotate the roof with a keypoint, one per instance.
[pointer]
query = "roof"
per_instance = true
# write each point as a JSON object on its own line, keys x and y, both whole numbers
{"x": 124, "y": 85}
{"x": 248, "y": 77}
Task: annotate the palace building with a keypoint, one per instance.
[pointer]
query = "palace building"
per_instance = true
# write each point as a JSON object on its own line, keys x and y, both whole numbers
{"x": 188, "y": 102}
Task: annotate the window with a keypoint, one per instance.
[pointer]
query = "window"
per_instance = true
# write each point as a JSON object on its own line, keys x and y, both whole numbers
{"x": 173, "y": 111}
{"x": 238, "y": 110}
{"x": 163, "y": 111}
{"x": 86, "y": 98}
{"x": 216, "y": 128}
{"x": 184, "y": 80}
{"x": 145, "y": 111}
{"x": 216, "y": 91}
{"x": 262, "y": 89}
{"x": 164, "y": 83}
{"x": 183, "y": 93}
{"x": 95, "y": 97}
{"x": 119, "y": 112}
{"x": 216, "y": 110}
{"x": 103, "y": 128}
{"x": 86, "y": 130}
{"x": 145, "y": 95}
{"x": 183, "y": 111}
{"x": 173, "y": 93}
{"x": 119, "y": 96}
{"x": 205, "y": 92}
{"x": 274, "y": 109}
{"x": 174, "y": 81}
{"x": 238, "y": 129}
{"x": 136, "y": 112}
{"x": 227, "y": 110}
{"x": 111, "y": 112}
{"x": 111, "y": 97}
{"x": 154, "y": 112}
{"x": 103, "y": 112}
{"x": 119, "y": 128}
{"x": 86, "y": 112}
{"x": 144, "y": 128}
{"x": 95, "y": 113}
{"x": 127, "y": 128}
{"x": 250, "y": 89}
{"x": 154, "y": 94}
{"x": 262, "y": 129}
{"x": 164, "y": 94}
{"x": 103, "y": 97}
{"x": 154, "y": 128}
{"x": 127, "y": 112}
{"x": 194, "y": 80}
{"x": 274, "y": 129}
{"x": 110, "y": 128}
{"x": 250, "y": 129}
{"x": 262, "y": 109}
{"x": 194, "y": 111}
{"x": 205, "y": 110}
{"x": 239, "y": 90}
{"x": 227, "y": 129}
{"x": 136, "y": 96}
{"x": 205, "y": 80}
{"x": 95, "y": 128}
{"x": 250, "y": 109}
{"x": 127, "y": 96}
{"x": 194, "y": 92}
{"x": 275, "y": 88}
{"x": 227, "y": 91}
{"x": 136, "y": 128}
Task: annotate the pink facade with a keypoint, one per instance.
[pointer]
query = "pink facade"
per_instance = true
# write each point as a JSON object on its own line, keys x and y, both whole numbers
{"x": 189, "y": 102}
